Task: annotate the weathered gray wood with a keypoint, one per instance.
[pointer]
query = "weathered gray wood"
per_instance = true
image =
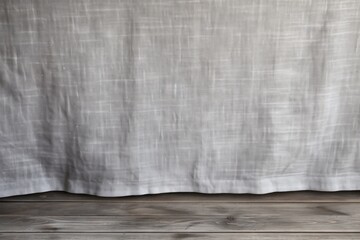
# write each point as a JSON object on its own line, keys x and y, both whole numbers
{"x": 262, "y": 220}
{"x": 178, "y": 236}
{"x": 292, "y": 215}
{"x": 257, "y": 210}
{"x": 298, "y": 196}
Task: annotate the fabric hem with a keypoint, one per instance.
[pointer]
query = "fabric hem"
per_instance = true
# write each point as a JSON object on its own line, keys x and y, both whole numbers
{"x": 259, "y": 186}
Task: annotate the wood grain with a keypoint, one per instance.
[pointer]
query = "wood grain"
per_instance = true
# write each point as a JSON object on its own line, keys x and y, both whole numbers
{"x": 291, "y": 215}
{"x": 173, "y": 223}
{"x": 308, "y": 210}
{"x": 181, "y": 236}
{"x": 297, "y": 196}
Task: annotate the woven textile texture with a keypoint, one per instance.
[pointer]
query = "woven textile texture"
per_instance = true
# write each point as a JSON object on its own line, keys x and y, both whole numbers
{"x": 130, "y": 97}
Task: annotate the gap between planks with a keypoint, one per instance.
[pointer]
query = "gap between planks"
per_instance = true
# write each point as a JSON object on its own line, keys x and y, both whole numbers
{"x": 178, "y": 236}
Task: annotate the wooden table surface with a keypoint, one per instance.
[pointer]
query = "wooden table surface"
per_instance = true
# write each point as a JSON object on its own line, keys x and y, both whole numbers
{"x": 298, "y": 215}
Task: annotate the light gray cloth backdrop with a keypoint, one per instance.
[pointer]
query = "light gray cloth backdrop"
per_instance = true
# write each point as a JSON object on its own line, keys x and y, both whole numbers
{"x": 127, "y": 97}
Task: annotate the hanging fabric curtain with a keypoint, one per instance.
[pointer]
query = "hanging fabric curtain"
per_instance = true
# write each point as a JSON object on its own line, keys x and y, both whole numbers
{"x": 130, "y": 97}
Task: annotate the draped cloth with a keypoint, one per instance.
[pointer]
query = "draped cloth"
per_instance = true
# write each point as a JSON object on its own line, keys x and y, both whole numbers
{"x": 131, "y": 97}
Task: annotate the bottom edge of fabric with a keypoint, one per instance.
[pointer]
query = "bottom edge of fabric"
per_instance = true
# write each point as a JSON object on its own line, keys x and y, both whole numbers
{"x": 258, "y": 186}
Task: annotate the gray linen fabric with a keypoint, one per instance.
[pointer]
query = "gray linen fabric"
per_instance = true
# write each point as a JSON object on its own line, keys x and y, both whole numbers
{"x": 128, "y": 97}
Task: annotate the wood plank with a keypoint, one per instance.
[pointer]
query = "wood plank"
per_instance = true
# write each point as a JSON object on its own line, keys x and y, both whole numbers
{"x": 308, "y": 210}
{"x": 165, "y": 223}
{"x": 297, "y": 196}
{"x": 178, "y": 236}
{"x": 191, "y": 217}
